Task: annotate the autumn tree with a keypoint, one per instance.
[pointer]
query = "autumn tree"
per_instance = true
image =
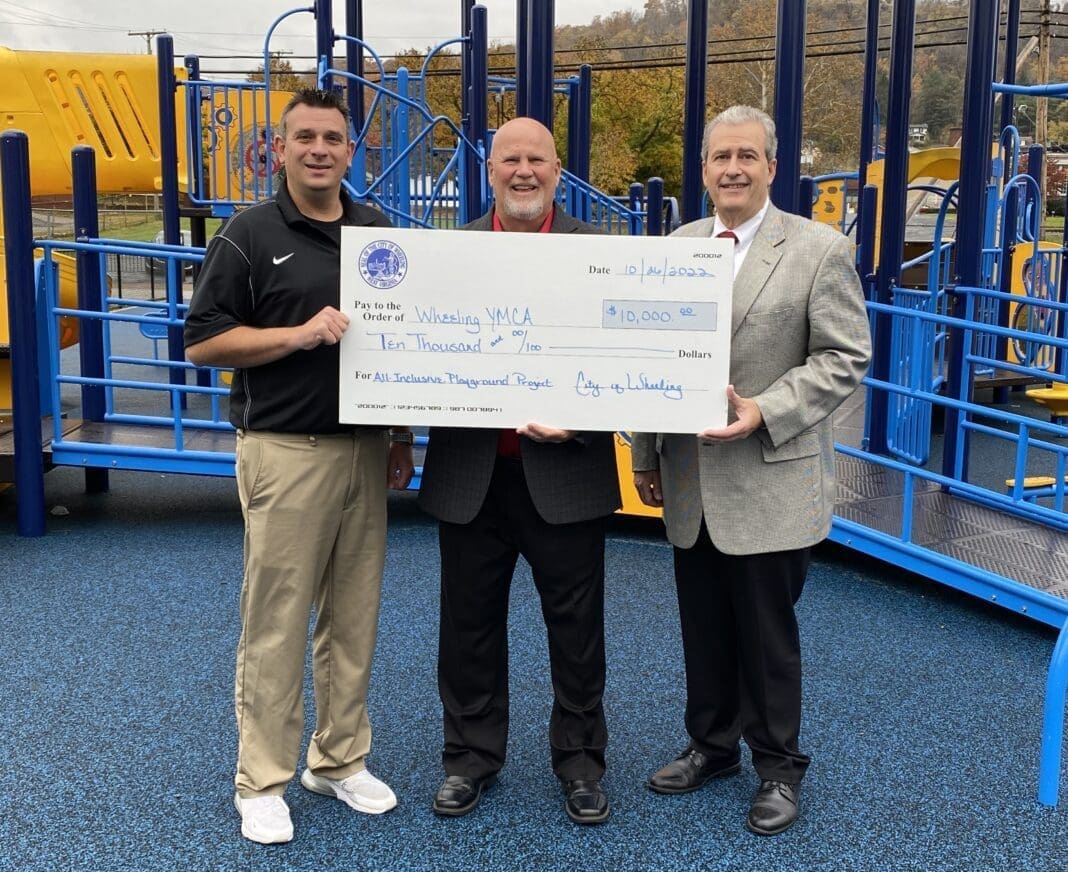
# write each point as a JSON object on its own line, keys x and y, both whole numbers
{"x": 282, "y": 76}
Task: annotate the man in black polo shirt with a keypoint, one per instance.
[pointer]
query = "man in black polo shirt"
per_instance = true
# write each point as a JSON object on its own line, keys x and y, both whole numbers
{"x": 313, "y": 491}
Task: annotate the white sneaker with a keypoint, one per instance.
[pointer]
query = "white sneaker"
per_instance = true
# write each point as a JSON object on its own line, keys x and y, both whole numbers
{"x": 361, "y": 791}
{"x": 264, "y": 819}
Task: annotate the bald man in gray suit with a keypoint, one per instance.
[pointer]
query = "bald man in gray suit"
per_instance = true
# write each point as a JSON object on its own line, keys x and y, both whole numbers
{"x": 744, "y": 504}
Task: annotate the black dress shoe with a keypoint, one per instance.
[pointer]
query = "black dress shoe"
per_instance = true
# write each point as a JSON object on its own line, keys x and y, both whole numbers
{"x": 689, "y": 771}
{"x": 459, "y": 794}
{"x": 774, "y": 808}
{"x": 586, "y": 802}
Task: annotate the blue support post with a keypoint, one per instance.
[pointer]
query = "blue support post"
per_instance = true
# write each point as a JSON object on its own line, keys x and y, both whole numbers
{"x": 866, "y": 213}
{"x": 18, "y": 258}
{"x": 168, "y": 167}
{"x": 541, "y": 74}
{"x": 892, "y": 237}
{"x": 1012, "y": 40}
{"x": 198, "y": 229}
{"x": 90, "y": 298}
{"x": 197, "y": 180}
{"x": 354, "y": 62}
{"x": 971, "y": 201}
{"x": 194, "y": 148}
{"x": 582, "y": 131}
{"x": 522, "y": 57}
{"x": 1062, "y": 295}
{"x": 654, "y": 207}
{"x": 465, "y": 63}
{"x": 472, "y": 204}
{"x": 572, "y": 123}
{"x": 402, "y": 187}
{"x": 694, "y": 112}
{"x": 1049, "y": 767}
{"x": 867, "y": 106}
{"x": 789, "y": 101}
{"x": 807, "y": 195}
{"x": 634, "y": 202}
{"x": 324, "y": 37}
{"x": 578, "y": 136}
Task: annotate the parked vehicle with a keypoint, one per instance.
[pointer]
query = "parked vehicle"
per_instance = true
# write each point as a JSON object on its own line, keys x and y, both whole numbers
{"x": 158, "y": 265}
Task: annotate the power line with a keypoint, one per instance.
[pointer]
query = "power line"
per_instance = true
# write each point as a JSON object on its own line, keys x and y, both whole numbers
{"x": 666, "y": 62}
{"x": 942, "y": 27}
{"x": 147, "y": 34}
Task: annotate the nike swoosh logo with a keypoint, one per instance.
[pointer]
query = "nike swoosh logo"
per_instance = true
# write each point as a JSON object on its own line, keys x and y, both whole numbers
{"x": 278, "y": 260}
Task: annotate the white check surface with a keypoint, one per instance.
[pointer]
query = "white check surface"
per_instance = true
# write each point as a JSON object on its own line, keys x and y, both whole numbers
{"x": 581, "y": 332}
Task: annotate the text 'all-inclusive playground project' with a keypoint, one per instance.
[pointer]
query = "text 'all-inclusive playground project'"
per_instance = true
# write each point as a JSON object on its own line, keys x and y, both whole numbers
{"x": 937, "y": 473}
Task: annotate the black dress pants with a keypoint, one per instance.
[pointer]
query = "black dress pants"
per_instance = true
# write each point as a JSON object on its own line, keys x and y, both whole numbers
{"x": 477, "y": 563}
{"x": 743, "y": 654}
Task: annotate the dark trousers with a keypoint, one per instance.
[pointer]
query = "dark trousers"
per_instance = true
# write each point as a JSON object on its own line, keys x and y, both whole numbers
{"x": 743, "y": 654}
{"x": 477, "y": 563}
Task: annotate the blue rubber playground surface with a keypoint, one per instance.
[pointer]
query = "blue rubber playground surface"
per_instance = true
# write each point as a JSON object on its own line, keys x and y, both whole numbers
{"x": 922, "y": 712}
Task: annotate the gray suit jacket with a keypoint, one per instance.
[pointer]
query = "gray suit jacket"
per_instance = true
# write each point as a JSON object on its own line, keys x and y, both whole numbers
{"x": 568, "y": 481}
{"x": 800, "y": 344}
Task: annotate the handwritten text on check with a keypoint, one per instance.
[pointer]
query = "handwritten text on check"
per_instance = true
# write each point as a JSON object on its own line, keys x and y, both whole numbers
{"x": 576, "y": 331}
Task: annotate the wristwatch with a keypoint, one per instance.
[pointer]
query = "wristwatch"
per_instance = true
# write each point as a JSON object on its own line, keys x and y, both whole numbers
{"x": 405, "y": 438}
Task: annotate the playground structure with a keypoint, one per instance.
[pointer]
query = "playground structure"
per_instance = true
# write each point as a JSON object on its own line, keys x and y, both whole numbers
{"x": 212, "y": 155}
{"x": 987, "y": 315}
{"x": 107, "y": 101}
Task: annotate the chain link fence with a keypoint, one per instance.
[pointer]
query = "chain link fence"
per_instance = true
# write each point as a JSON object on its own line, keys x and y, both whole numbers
{"x": 132, "y": 276}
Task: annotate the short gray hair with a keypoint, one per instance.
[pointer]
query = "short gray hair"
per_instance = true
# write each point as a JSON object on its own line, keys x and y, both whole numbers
{"x": 743, "y": 115}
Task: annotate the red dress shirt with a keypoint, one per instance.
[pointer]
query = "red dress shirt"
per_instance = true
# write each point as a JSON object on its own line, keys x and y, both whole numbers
{"x": 508, "y": 442}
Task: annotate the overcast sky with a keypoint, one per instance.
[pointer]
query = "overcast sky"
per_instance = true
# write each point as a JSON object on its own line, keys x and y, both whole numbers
{"x": 238, "y": 27}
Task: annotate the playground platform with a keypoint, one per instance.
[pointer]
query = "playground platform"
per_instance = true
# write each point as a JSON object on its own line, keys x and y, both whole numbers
{"x": 1032, "y": 554}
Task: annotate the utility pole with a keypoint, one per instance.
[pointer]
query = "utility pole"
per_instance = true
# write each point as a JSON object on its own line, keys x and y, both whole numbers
{"x": 147, "y": 34}
{"x": 1042, "y": 103}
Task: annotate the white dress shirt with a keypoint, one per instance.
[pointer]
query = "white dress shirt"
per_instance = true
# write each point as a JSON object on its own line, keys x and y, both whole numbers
{"x": 746, "y": 233}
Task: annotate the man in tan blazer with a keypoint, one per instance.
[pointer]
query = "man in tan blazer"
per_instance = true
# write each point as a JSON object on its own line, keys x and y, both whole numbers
{"x": 744, "y": 504}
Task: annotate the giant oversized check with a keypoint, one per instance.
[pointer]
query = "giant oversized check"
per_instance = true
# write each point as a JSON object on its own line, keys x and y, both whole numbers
{"x": 574, "y": 331}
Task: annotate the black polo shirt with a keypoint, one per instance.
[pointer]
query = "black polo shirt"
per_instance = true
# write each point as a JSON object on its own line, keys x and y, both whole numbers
{"x": 269, "y": 266}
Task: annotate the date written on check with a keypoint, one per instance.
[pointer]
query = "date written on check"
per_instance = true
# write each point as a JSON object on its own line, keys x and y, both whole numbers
{"x": 578, "y": 331}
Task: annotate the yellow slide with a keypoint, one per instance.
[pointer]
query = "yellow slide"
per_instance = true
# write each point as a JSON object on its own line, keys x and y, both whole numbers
{"x": 941, "y": 164}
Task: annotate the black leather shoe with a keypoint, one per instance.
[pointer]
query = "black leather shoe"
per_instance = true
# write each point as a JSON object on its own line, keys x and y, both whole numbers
{"x": 459, "y": 794}
{"x": 774, "y": 808}
{"x": 586, "y": 802}
{"x": 689, "y": 771}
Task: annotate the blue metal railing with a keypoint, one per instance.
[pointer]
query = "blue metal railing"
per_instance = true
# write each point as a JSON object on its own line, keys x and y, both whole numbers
{"x": 584, "y": 201}
{"x": 918, "y": 348}
{"x": 123, "y": 372}
{"x": 1033, "y": 455}
{"x": 411, "y": 163}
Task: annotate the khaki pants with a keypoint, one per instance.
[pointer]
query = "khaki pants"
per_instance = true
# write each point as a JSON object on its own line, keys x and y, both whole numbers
{"x": 315, "y": 531}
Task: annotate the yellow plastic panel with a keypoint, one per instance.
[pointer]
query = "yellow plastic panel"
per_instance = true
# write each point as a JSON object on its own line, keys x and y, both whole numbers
{"x": 1029, "y": 281}
{"x": 238, "y": 142}
{"x": 106, "y": 101}
{"x": 631, "y": 504}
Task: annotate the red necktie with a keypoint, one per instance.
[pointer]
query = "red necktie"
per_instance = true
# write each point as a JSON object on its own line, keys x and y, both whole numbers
{"x": 727, "y": 234}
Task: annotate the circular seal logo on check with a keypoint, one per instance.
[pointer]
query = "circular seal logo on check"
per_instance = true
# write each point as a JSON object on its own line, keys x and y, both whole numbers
{"x": 383, "y": 264}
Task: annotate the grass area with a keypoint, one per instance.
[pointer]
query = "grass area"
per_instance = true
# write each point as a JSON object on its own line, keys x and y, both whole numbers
{"x": 146, "y": 231}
